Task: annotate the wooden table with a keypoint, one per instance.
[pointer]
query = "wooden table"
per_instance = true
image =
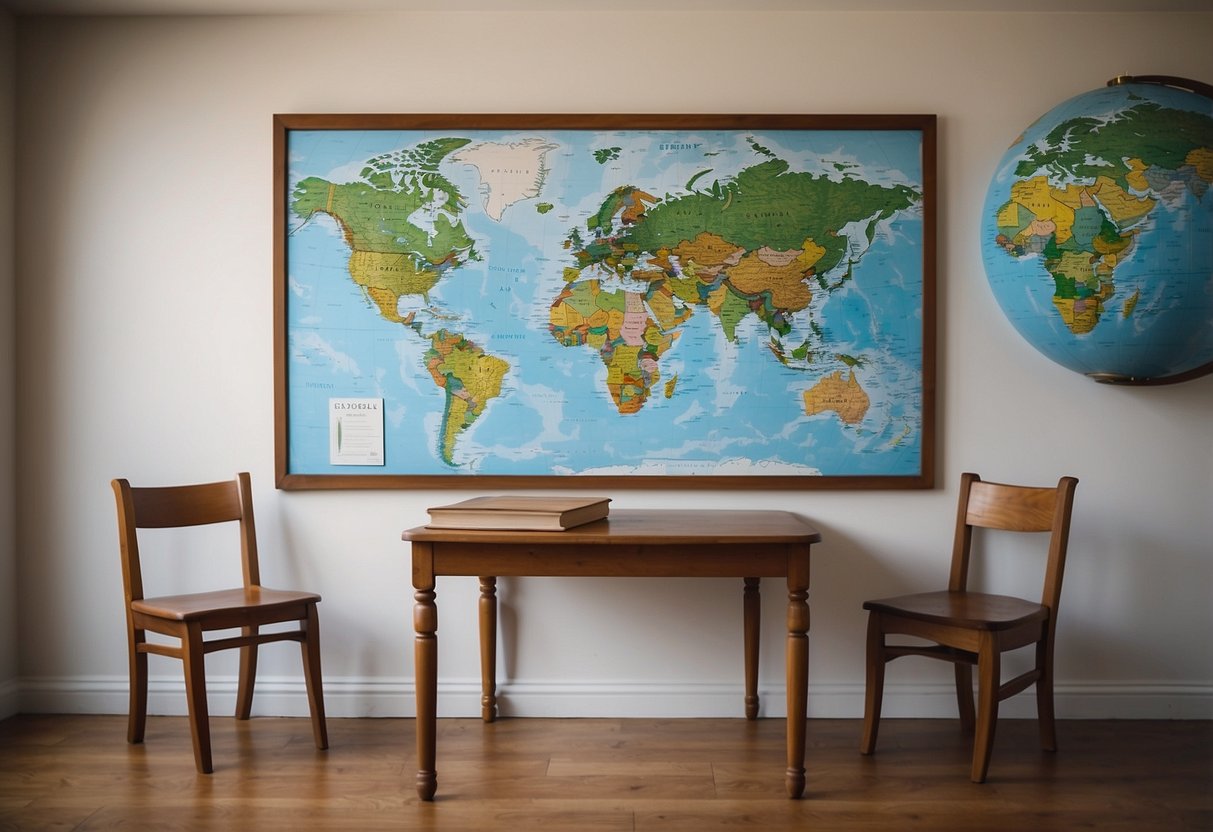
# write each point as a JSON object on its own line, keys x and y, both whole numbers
{"x": 630, "y": 543}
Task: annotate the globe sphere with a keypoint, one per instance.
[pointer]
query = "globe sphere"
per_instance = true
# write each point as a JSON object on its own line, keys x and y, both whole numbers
{"x": 1097, "y": 232}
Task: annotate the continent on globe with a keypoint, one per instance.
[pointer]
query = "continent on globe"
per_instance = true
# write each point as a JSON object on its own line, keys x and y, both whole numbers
{"x": 1107, "y": 197}
{"x": 509, "y": 173}
{"x": 833, "y": 394}
{"x": 1077, "y": 231}
{"x": 1163, "y": 139}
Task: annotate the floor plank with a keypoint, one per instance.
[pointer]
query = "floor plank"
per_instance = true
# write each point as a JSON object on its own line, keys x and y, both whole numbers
{"x": 77, "y": 772}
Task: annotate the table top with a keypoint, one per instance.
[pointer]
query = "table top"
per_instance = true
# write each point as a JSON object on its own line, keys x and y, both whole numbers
{"x": 647, "y": 526}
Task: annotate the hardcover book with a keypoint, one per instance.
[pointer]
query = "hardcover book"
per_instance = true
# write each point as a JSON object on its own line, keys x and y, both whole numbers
{"x": 520, "y": 513}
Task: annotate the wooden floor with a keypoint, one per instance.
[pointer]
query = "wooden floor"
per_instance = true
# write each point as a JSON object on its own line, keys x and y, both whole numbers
{"x": 77, "y": 772}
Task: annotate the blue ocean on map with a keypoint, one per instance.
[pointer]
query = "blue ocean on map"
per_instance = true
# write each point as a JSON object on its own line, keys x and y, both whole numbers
{"x": 557, "y": 344}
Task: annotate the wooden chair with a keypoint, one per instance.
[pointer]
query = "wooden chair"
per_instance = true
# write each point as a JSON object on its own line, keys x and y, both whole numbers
{"x": 188, "y": 617}
{"x": 973, "y": 628}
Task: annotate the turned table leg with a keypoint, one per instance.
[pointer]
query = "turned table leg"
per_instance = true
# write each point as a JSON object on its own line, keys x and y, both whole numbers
{"x": 798, "y": 670}
{"x": 488, "y": 648}
{"x": 751, "y": 609}
{"x": 425, "y": 669}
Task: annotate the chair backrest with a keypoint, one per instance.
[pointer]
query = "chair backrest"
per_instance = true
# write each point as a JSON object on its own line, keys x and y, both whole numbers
{"x": 1014, "y": 508}
{"x": 180, "y": 506}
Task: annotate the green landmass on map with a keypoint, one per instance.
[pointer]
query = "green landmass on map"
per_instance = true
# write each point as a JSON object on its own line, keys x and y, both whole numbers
{"x": 607, "y": 154}
{"x": 374, "y": 213}
{"x": 470, "y": 377}
{"x": 750, "y": 245}
{"x": 765, "y": 205}
{"x": 392, "y": 258}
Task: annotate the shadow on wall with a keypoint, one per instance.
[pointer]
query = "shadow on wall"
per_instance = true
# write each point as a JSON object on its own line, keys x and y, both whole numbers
{"x": 844, "y": 574}
{"x": 680, "y": 627}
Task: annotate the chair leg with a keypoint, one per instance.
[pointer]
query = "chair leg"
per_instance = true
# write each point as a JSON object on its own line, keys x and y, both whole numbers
{"x": 312, "y": 678}
{"x": 194, "y": 661}
{"x": 248, "y": 676}
{"x": 1044, "y": 696}
{"x": 874, "y": 687}
{"x": 137, "y": 715}
{"x": 964, "y": 696}
{"x": 989, "y": 673}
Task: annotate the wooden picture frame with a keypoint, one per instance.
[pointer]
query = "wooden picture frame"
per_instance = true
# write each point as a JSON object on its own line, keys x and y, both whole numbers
{"x": 604, "y": 301}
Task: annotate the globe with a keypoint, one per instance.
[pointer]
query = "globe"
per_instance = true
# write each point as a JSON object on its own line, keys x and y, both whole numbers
{"x": 1097, "y": 232}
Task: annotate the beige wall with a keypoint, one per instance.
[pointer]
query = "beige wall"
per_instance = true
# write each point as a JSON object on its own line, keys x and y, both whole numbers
{"x": 144, "y": 295}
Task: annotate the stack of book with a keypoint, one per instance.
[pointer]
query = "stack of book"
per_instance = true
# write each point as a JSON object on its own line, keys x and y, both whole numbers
{"x": 519, "y": 513}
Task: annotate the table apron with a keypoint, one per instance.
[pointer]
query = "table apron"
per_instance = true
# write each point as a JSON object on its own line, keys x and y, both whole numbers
{"x": 731, "y": 560}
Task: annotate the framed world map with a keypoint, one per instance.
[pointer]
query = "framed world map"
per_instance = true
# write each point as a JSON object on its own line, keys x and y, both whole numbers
{"x": 604, "y": 301}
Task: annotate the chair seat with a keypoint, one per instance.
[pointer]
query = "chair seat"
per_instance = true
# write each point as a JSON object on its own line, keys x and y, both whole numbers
{"x": 258, "y": 601}
{"x": 976, "y": 610}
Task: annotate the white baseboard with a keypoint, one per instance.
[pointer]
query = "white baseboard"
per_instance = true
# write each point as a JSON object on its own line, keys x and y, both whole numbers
{"x": 393, "y": 697}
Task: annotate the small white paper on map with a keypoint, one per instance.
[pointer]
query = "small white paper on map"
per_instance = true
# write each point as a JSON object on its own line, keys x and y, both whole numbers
{"x": 356, "y": 431}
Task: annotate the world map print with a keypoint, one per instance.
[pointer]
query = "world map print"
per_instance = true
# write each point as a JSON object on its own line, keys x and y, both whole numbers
{"x": 609, "y": 302}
